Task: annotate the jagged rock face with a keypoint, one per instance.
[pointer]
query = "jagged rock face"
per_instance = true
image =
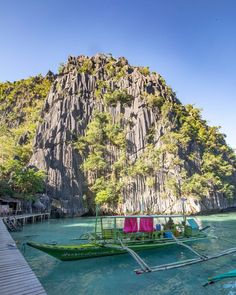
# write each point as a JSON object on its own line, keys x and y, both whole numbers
{"x": 67, "y": 112}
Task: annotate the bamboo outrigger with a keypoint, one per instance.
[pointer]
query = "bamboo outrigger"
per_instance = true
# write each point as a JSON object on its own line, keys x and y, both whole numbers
{"x": 183, "y": 263}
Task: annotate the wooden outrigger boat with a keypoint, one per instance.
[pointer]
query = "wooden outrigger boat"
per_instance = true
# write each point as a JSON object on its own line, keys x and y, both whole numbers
{"x": 115, "y": 235}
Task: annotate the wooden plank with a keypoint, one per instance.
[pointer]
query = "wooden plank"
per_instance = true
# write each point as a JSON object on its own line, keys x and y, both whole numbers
{"x": 22, "y": 292}
{"x": 13, "y": 278}
{"x": 9, "y": 281}
{"x": 8, "y": 268}
{"x": 21, "y": 286}
{"x": 16, "y": 277}
{"x": 14, "y": 272}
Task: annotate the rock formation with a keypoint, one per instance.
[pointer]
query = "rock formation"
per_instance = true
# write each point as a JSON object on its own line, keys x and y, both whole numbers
{"x": 161, "y": 158}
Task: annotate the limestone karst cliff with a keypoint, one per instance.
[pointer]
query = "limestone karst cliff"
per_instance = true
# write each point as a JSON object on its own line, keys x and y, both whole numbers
{"x": 117, "y": 134}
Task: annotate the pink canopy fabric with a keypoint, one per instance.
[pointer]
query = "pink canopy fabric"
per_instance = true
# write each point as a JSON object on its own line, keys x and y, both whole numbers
{"x": 146, "y": 224}
{"x": 131, "y": 225}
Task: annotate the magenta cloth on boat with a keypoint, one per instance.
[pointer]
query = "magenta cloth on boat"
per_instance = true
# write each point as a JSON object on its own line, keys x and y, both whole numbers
{"x": 131, "y": 225}
{"x": 146, "y": 224}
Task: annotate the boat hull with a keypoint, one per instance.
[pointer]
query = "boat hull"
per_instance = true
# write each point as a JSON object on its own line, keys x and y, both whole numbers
{"x": 92, "y": 250}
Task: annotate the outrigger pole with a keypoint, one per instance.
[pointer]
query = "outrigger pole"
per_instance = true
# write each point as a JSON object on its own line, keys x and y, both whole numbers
{"x": 186, "y": 262}
{"x": 137, "y": 258}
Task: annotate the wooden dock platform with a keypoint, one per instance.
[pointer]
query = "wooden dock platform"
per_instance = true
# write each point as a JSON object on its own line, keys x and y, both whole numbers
{"x": 31, "y": 217}
{"x": 16, "y": 277}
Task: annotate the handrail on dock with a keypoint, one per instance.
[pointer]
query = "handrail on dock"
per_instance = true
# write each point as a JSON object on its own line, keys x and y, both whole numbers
{"x": 16, "y": 222}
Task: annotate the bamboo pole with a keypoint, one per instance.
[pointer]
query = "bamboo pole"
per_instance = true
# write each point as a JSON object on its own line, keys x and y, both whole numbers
{"x": 186, "y": 262}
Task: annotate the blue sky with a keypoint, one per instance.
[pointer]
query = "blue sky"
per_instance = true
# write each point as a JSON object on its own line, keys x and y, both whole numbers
{"x": 191, "y": 43}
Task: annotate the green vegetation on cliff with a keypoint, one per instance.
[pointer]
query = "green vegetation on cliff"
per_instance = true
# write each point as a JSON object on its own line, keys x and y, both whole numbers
{"x": 195, "y": 172}
{"x": 20, "y": 106}
{"x": 204, "y": 162}
{"x": 104, "y": 177}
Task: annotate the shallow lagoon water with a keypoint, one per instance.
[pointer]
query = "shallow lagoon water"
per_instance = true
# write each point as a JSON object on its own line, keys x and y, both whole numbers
{"x": 114, "y": 274}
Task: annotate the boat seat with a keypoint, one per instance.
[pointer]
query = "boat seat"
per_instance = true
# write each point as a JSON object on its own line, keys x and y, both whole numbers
{"x": 192, "y": 222}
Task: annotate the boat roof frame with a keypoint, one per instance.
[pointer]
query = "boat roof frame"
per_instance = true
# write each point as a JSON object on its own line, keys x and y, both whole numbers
{"x": 143, "y": 216}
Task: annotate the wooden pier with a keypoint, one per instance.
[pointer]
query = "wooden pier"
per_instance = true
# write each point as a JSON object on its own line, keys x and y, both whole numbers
{"x": 16, "y": 277}
{"x": 29, "y": 218}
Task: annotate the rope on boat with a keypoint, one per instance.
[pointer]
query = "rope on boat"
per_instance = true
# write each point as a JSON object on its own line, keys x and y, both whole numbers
{"x": 202, "y": 256}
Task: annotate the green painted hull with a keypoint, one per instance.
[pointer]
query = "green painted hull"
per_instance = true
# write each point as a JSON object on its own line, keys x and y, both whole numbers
{"x": 92, "y": 250}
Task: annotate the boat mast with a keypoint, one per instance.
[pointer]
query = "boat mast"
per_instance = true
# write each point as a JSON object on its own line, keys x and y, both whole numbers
{"x": 96, "y": 222}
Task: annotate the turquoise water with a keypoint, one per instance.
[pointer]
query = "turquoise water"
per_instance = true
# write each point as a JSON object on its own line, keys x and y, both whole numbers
{"x": 115, "y": 275}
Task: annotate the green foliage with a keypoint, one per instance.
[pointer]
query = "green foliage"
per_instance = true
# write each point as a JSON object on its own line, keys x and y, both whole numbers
{"x": 5, "y": 189}
{"x": 86, "y": 67}
{"x": 120, "y": 73}
{"x": 28, "y": 182}
{"x": 214, "y": 163}
{"x": 140, "y": 167}
{"x": 107, "y": 190}
{"x": 104, "y": 196}
{"x": 20, "y": 106}
{"x": 95, "y": 162}
{"x": 112, "y": 98}
{"x": 150, "y": 182}
{"x": 196, "y": 185}
{"x": 144, "y": 71}
{"x": 22, "y": 100}
{"x": 115, "y": 134}
{"x": 110, "y": 68}
{"x": 17, "y": 180}
{"x": 154, "y": 100}
{"x": 150, "y": 135}
{"x": 170, "y": 92}
{"x": 147, "y": 164}
{"x": 173, "y": 185}
{"x": 162, "y": 81}
{"x": 101, "y": 134}
{"x": 101, "y": 87}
